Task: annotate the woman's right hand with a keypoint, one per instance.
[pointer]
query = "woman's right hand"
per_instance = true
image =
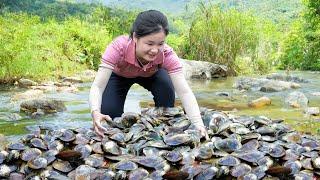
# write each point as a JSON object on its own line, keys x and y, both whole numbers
{"x": 97, "y": 118}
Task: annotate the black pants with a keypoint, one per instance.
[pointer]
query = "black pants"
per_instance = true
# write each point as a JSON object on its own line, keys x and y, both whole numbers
{"x": 114, "y": 95}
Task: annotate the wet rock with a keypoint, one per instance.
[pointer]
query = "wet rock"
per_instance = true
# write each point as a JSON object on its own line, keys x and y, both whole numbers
{"x": 286, "y": 77}
{"x": 26, "y": 82}
{"x": 260, "y": 102}
{"x": 312, "y": 111}
{"x": 72, "y": 79}
{"x": 297, "y": 99}
{"x": 264, "y": 85}
{"x": 46, "y": 105}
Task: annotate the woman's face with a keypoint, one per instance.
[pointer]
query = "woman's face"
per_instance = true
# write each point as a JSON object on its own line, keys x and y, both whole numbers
{"x": 148, "y": 47}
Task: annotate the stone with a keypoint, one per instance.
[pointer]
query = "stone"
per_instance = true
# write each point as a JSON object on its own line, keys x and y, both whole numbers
{"x": 260, "y": 102}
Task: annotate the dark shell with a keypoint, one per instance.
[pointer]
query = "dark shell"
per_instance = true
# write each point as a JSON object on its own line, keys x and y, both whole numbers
{"x": 249, "y": 146}
{"x": 249, "y": 176}
{"x": 265, "y": 161}
{"x": 111, "y": 148}
{"x": 229, "y": 161}
{"x": 151, "y": 151}
{"x": 150, "y": 162}
{"x": 81, "y": 139}
{"x": 266, "y": 130}
{"x": 38, "y": 163}
{"x": 55, "y": 145}
{"x": 84, "y": 172}
{"x": 69, "y": 155}
{"x": 63, "y": 166}
{"x": 250, "y": 156}
{"x": 307, "y": 163}
{"x": 67, "y": 136}
{"x": 240, "y": 170}
{"x": 50, "y": 155}
{"x": 172, "y": 156}
{"x": 228, "y": 144}
{"x": 177, "y": 139}
{"x": 294, "y": 166}
{"x": 208, "y": 173}
{"x": 85, "y": 150}
{"x": 38, "y": 143}
{"x": 120, "y": 157}
{"x": 95, "y": 160}
{"x": 290, "y": 155}
{"x": 276, "y": 150}
{"x": 97, "y": 148}
{"x": 139, "y": 173}
{"x": 16, "y": 176}
{"x": 259, "y": 171}
{"x": 126, "y": 166}
{"x": 17, "y": 146}
{"x": 191, "y": 170}
{"x": 128, "y": 119}
{"x": 119, "y": 137}
{"x": 30, "y": 154}
{"x": 313, "y": 145}
{"x": 205, "y": 151}
{"x": 34, "y": 129}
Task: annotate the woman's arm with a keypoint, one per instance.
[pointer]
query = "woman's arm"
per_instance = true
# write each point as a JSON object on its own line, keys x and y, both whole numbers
{"x": 99, "y": 84}
{"x": 95, "y": 98}
{"x": 187, "y": 98}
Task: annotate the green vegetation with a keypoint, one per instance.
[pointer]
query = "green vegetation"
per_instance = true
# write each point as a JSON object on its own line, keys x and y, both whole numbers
{"x": 43, "y": 39}
{"x": 301, "y": 47}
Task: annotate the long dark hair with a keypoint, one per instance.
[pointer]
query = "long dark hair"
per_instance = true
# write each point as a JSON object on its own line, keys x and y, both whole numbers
{"x": 148, "y": 22}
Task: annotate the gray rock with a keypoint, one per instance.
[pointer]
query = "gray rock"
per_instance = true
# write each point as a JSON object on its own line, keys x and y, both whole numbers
{"x": 202, "y": 70}
{"x": 26, "y": 82}
{"x": 285, "y": 77}
{"x": 297, "y": 99}
{"x": 46, "y": 105}
{"x": 312, "y": 111}
{"x": 264, "y": 85}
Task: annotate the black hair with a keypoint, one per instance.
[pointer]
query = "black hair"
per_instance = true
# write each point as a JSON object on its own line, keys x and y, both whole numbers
{"x": 148, "y": 22}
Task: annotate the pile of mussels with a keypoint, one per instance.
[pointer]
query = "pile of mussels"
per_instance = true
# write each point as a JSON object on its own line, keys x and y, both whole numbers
{"x": 161, "y": 143}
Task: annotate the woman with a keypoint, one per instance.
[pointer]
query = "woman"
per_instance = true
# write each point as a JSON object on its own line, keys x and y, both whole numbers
{"x": 145, "y": 59}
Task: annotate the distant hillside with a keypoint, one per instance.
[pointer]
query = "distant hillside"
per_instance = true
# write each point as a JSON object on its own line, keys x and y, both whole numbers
{"x": 276, "y": 10}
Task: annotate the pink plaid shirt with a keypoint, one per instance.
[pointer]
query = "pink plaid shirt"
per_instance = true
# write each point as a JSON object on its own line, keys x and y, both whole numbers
{"x": 121, "y": 58}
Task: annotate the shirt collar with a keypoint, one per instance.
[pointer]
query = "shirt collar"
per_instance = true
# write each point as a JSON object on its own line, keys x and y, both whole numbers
{"x": 130, "y": 55}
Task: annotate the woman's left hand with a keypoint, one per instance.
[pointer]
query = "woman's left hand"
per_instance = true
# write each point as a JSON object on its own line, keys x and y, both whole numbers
{"x": 203, "y": 131}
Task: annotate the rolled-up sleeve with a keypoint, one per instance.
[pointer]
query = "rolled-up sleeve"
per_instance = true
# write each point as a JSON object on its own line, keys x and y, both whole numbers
{"x": 171, "y": 61}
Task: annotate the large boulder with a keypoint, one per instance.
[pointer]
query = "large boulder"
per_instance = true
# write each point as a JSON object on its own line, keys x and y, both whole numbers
{"x": 202, "y": 70}
{"x": 45, "y": 105}
{"x": 264, "y": 85}
{"x": 260, "y": 102}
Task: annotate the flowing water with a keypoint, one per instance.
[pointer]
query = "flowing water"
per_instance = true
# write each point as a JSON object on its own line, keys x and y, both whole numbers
{"x": 77, "y": 113}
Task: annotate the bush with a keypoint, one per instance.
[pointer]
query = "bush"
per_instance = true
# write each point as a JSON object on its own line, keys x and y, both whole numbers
{"x": 229, "y": 37}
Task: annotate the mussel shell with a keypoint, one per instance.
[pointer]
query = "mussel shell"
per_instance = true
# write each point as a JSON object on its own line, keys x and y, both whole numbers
{"x": 228, "y": 144}
{"x": 111, "y": 148}
{"x": 126, "y": 165}
{"x": 38, "y": 143}
{"x": 95, "y": 160}
{"x": 240, "y": 170}
{"x": 208, "y": 173}
{"x": 85, "y": 150}
{"x": 17, "y": 146}
{"x": 139, "y": 173}
{"x": 250, "y": 156}
{"x": 228, "y": 161}
{"x": 30, "y": 154}
{"x": 67, "y": 136}
{"x": 294, "y": 166}
{"x": 63, "y": 166}
{"x": 38, "y": 163}
{"x": 172, "y": 156}
{"x": 81, "y": 139}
